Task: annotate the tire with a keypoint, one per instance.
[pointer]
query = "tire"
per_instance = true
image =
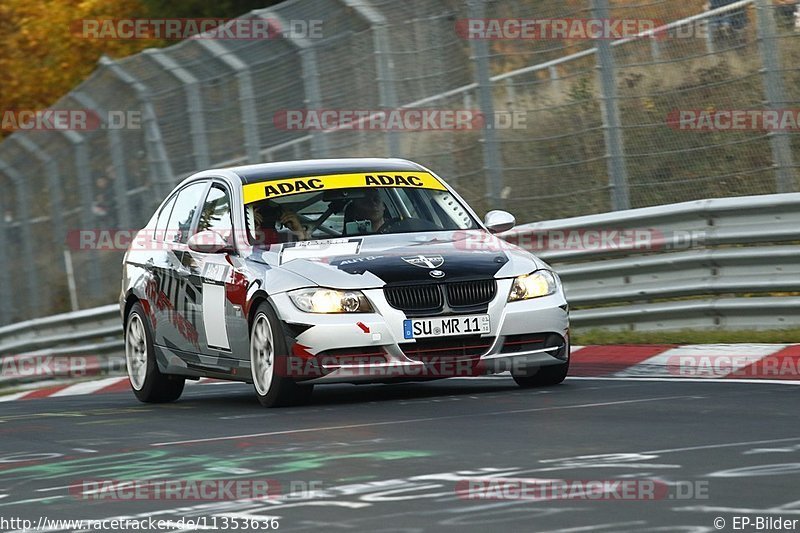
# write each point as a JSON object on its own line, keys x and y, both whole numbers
{"x": 148, "y": 383}
{"x": 544, "y": 376}
{"x": 268, "y": 352}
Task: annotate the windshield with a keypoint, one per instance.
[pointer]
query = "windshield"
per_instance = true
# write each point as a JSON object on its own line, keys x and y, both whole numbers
{"x": 351, "y": 211}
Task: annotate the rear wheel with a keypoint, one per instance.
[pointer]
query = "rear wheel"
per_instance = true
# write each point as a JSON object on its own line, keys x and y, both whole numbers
{"x": 269, "y": 359}
{"x": 148, "y": 383}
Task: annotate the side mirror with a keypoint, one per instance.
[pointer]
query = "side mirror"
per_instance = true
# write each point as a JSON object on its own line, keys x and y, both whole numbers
{"x": 499, "y": 221}
{"x": 209, "y": 242}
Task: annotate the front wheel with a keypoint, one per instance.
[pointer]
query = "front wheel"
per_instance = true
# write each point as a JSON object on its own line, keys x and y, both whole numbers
{"x": 268, "y": 360}
{"x": 541, "y": 377}
{"x": 148, "y": 383}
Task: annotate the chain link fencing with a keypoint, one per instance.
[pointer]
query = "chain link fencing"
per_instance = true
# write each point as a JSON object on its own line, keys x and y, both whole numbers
{"x": 571, "y": 126}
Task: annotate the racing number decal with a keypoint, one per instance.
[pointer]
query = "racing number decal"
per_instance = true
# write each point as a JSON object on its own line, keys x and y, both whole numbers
{"x": 254, "y": 192}
{"x": 214, "y": 306}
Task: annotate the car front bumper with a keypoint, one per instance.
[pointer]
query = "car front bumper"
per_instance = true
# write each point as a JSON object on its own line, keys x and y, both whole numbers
{"x": 380, "y": 353}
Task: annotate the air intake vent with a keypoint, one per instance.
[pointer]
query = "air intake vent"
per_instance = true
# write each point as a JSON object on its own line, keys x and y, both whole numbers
{"x": 415, "y": 297}
{"x": 470, "y": 293}
{"x": 430, "y": 298}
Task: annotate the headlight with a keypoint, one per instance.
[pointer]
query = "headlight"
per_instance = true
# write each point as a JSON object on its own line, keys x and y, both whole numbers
{"x": 535, "y": 285}
{"x": 319, "y": 300}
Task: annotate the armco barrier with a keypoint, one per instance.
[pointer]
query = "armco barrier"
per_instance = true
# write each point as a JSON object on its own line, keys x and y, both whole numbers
{"x": 720, "y": 264}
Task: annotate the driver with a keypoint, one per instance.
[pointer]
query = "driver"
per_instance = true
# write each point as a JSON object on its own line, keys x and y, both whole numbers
{"x": 369, "y": 207}
{"x": 268, "y": 215}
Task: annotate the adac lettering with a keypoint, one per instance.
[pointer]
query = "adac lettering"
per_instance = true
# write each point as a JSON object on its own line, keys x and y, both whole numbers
{"x": 292, "y": 187}
{"x": 396, "y": 181}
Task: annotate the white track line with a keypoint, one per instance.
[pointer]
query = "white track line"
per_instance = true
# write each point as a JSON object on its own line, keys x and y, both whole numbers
{"x": 15, "y": 396}
{"x": 86, "y": 387}
{"x": 725, "y": 445}
{"x": 416, "y": 420}
{"x": 689, "y": 380}
{"x": 659, "y": 365}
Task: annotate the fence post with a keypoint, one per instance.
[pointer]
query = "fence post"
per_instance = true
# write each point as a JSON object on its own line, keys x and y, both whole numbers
{"x": 86, "y": 191}
{"x": 120, "y": 181}
{"x": 6, "y": 300}
{"x": 158, "y": 161}
{"x": 612, "y": 128}
{"x": 194, "y": 105}
{"x": 313, "y": 94}
{"x": 384, "y": 64}
{"x": 247, "y": 99}
{"x": 22, "y": 193}
{"x": 492, "y": 159}
{"x": 775, "y": 94}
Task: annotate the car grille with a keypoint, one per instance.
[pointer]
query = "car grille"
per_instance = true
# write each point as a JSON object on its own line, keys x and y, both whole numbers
{"x": 468, "y": 293}
{"x": 433, "y": 350}
{"x": 362, "y": 357}
{"x": 536, "y": 341}
{"x": 415, "y": 297}
{"x": 523, "y": 343}
{"x": 431, "y": 297}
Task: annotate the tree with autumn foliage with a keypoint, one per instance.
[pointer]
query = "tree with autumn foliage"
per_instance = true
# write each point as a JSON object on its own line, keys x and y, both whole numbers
{"x": 43, "y": 57}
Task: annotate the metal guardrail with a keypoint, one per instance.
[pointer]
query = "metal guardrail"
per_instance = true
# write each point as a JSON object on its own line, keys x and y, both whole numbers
{"x": 711, "y": 265}
{"x": 34, "y": 350}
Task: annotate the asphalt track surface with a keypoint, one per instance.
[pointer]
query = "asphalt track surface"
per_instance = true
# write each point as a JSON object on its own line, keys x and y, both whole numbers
{"x": 391, "y": 457}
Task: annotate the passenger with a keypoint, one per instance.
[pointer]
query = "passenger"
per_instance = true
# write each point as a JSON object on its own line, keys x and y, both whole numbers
{"x": 369, "y": 208}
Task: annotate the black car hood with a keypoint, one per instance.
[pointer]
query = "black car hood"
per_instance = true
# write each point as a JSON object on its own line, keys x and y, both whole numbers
{"x": 407, "y": 259}
{"x": 426, "y": 263}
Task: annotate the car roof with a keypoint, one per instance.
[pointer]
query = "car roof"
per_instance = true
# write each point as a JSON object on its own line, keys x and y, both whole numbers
{"x": 319, "y": 167}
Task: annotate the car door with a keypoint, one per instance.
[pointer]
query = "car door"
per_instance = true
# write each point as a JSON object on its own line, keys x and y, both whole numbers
{"x": 177, "y": 300}
{"x": 209, "y": 275}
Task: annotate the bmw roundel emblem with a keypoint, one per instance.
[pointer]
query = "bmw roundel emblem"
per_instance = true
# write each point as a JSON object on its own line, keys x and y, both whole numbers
{"x": 437, "y": 274}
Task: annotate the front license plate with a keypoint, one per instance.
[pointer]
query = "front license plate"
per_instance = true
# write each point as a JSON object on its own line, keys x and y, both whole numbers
{"x": 446, "y": 326}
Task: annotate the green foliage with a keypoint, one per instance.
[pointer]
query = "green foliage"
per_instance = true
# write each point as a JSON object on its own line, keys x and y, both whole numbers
{"x": 599, "y": 336}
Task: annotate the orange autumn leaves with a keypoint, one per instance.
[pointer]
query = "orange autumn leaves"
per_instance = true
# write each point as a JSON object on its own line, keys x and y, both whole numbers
{"x": 42, "y": 58}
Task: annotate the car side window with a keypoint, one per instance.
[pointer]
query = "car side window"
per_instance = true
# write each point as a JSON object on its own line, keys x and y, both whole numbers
{"x": 180, "y": 220}
{"x": 216, "y": 213}
{"x": 163, "y": 217}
